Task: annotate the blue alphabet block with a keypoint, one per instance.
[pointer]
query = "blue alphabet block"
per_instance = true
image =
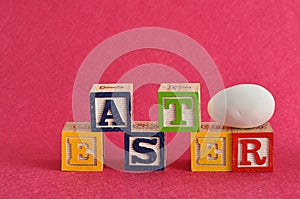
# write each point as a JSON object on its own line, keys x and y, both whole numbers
{"x": 145, "y": 148}
{"x": 110, "y": 106}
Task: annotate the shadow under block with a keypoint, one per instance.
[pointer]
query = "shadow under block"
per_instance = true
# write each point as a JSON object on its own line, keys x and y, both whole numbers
{"x": 82, "y": 150}
{"x": 144, "y": 148}
{"x": 110, "y": 107}
{"x": 253, "y": 149}
{"x": 179, "y": 107}
{"x": 211, "y": 148}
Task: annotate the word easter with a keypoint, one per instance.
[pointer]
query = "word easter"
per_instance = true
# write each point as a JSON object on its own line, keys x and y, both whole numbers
{"x": 213, "y": 147}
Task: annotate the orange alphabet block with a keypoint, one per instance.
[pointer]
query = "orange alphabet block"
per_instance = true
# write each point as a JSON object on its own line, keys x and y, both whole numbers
{"x": 82, "y": 150}
{"x": 211, "y": 148}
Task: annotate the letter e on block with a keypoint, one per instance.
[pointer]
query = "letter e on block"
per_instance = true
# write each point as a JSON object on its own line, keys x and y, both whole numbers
{"x": 82, "y": 150}
{"x": 211, "y": 149}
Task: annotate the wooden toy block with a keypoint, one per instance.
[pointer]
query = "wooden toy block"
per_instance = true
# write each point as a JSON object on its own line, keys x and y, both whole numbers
{"x": 211, "y": 148}
{"x": 179, "y": 107}
{"x": 82, "y": 150}
{"x": 253, "y": 149}
{"x": 110, "y": 106}
{"x": 145, "y": 148}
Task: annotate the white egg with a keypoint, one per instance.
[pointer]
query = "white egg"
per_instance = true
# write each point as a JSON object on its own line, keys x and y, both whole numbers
{"x": 242, "y": 106}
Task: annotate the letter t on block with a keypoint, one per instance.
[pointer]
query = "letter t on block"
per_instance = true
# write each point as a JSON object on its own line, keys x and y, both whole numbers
{"x": 110, "y": 106}
{"x": 253, "y": 149}
{"x": 179, "y": 107}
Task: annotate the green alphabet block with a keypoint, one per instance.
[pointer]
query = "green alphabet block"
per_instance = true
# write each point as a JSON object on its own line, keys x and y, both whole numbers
{"x": 179, "y": 107}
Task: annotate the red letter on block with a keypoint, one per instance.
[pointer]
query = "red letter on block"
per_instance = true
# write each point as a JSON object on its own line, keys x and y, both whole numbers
{"x": 245, "y": 152}
{"x": 252, "y": 151}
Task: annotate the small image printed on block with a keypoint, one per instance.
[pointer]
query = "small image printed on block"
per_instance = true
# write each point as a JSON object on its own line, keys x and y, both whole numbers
{"x": 82, "y": 150}
{"x": 211, "y": 149}
{"x": 145, "y": 148}
{"x": 179, "y": 107}
{"x": 110, "y": 106}
{"x": 253, "y": 149}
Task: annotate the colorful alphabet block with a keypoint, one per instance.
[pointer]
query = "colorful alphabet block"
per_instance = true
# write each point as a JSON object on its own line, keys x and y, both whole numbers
{"x": 253, "y": 149}
{"x": 82, "y": 150}
{"x": 179, "y": 107}
{"x": 110, "y": 107}
{"x": 145, "y": 148}
{"x": 211, "y": 148}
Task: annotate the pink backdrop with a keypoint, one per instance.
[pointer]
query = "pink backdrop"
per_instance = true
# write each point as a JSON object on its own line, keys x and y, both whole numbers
{"x": 43, "y": 45}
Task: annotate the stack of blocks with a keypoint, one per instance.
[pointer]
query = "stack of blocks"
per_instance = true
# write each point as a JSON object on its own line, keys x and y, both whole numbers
{"x": 213, "y": 147}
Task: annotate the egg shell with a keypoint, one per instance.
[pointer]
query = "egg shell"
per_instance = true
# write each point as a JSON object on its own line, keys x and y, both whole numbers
{"x": 242, "y": 106}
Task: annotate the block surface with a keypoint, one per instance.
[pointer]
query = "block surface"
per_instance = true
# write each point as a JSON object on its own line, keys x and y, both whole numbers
{"x": 253, "y": 149}
{"x": 179, "y": 107}
{"x": 211, "y": 148}
{"x": 144, "y": 148}
{"x": 110, "y": 107}
{"x": 82, "y": 150}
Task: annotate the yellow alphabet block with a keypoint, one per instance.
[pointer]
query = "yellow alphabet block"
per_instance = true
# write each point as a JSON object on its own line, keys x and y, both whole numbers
{"x": 211, "y": 148}
{"x": 82, "y": 149}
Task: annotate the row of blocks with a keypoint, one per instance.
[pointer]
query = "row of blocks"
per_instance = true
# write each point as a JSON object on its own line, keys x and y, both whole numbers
{"x": 214, "y": 148}
{"x": 178, "y": 107}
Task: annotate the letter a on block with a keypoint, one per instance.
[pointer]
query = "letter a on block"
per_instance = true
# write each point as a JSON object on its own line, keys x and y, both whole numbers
{"x": 253, "y": 149}
{"x": 114, "y": 116}
{"x": 179, "y": 107}
{"x": 110, "y": 107}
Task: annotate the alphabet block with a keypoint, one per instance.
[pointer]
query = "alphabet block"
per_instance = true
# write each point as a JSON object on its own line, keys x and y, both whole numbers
{"x": 179, "y": 107}
{"x": 253, "y": 149}
{"x": 211, "y": 148}
{"x": 144, "y": 148}
{"x": 110, "y": 106}
{"x": 82, "y": 150}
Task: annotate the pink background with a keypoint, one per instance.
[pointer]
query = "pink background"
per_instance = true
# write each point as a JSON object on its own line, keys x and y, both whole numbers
{"x": 43, "y": 45}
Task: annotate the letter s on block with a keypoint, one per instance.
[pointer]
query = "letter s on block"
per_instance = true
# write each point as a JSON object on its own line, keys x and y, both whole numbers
{"x": 150, "y": 152}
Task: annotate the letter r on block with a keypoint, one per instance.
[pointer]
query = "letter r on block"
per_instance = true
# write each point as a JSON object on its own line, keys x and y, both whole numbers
{"x": 252, "y": 152}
